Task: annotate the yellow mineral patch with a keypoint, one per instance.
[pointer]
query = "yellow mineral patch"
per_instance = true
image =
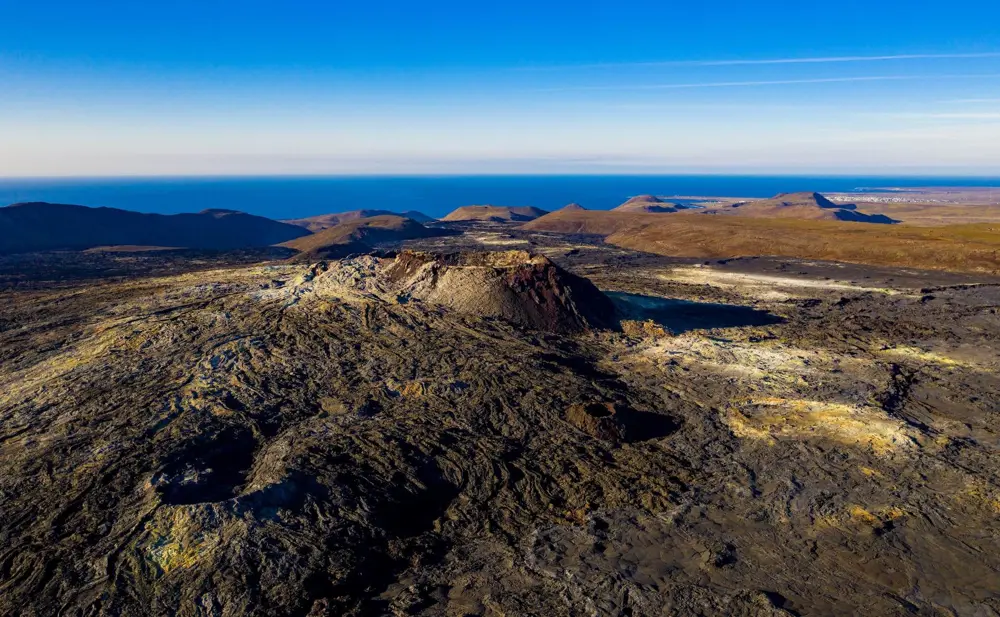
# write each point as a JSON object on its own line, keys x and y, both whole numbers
{"x": 766, "y": 365}
{"x": 643, "y": 329}
{"x": 981, "y": 494}
{"x": 864, "y": 516}
{"x": 871, "y": 473}
{"x": 495, "y": 239}
{"x": 771, "y": 417}
{"x": 854, "y": 515}
{"x": 892, "y": 513}
{"x": 826, "y": 522}
{"x": 743, "y": 427}
{"x": 179, "y": 542}
{"x": 914, "y": 353}
{"x": 764, "y": 286}
{"x": 25, "y": 384}
{"x": 414, "y": 388}
{"x": 332, "y": 406}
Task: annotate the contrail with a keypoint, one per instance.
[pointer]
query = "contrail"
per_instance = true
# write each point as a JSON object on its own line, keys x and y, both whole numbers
{"x": 774, "y": 82}
{"x": 816, "y": 60}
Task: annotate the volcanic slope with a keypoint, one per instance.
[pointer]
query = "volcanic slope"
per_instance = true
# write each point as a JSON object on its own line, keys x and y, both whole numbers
{"x": 648, "y": 204}
{"x": 291, "y": 440}
{"x": 517, "y": 286}
{"x": 495, "y": 213}
{"x": 43, "y": 226}
{"x": 325, "y": 221}
{"x": 957, "y": 248}
{"x": 808, "y": 206}
{"x": 358, "y": 236}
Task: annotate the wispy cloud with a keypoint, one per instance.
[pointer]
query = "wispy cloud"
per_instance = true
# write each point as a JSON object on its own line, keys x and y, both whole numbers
{"x": 772, "y": 82}
{"x": 974, "y": 101}
{"x": 948, "y": 115}
{"x": 813, "y": 60}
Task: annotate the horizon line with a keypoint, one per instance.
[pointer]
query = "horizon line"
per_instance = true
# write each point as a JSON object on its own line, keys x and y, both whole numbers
{"x": 888, "y": 174}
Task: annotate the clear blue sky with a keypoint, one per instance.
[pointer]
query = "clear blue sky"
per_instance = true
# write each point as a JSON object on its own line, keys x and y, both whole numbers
{"x": 180, "y": 87}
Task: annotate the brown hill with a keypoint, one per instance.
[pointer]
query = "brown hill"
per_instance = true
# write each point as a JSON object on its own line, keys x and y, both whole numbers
{"x": 809, "y": 206}
{"x": 40, "y": 226}
{"x": 325, "y": 221}
{"x": 529, "y": 290}
{"x": 573, "y": 207}
{"x": 495, "y": 213}
{"x": 359, "y": 236}
{"x": 650, "y": 204}
{"x": 969, "y": 248}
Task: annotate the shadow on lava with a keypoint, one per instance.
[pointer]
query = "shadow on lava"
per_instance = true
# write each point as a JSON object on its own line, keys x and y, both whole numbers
{"x": 681, "y": 316}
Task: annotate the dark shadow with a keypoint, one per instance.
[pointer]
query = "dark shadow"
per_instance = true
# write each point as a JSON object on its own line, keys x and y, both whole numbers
{"x": 618, "y": 423}
{"x": 578, "y": 365}
{"x": 680, "y": 316}
{"x": 208, "y": 469}
{"x": 646, "y": 425}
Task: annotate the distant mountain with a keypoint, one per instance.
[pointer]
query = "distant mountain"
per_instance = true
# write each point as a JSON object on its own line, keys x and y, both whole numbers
{"x": 325, "y": 221}
{"x": 495, "y": 213}
{"x": 40, "y": 226}
{"x": 648, "y": 203}
{"x": 573, "y": 207}
{"x": 359, "y": 236}
{"x": 806, "y": 205}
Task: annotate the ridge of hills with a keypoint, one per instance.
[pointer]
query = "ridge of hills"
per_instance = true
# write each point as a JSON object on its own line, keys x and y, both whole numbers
{"x": 359, "y": 236}
{"x": 802, "y": 205}
{"x": 325, "y": 221}
{"x": 959, "y": 248}
{"x": 495, "y": 213}
{"x": 40, "y": 226}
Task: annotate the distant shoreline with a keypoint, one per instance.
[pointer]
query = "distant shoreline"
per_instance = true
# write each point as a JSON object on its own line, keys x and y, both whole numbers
{"x": 286, "y": 197}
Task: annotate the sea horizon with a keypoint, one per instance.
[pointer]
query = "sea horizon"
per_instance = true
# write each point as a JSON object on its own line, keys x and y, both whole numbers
{"x": 296, "y": 196}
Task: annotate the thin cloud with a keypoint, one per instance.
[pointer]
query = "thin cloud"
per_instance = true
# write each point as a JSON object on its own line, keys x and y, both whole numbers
{"x": 773, "y": 82}
{"x": 814, "y": 60}
{"x": 948, "y": 115}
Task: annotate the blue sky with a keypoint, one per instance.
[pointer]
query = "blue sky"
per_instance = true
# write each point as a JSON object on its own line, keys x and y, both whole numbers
{"x": 116, "y": 88}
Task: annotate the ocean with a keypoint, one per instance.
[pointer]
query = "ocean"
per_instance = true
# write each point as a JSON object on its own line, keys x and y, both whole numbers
{"x": 294, "y": 197}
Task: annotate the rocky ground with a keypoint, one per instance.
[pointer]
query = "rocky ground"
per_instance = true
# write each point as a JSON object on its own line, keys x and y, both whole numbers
{"x": 756, "y": 437}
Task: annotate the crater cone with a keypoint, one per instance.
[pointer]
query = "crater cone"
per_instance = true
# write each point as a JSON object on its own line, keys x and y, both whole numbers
{"x": 526, "y": 289}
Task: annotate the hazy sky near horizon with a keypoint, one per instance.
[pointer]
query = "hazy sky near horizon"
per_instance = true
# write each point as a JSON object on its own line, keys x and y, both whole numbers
{"x": 209, "y": 87}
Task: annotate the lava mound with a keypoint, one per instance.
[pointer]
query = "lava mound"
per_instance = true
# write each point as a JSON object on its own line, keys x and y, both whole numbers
{"x": 526, "y": 289}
